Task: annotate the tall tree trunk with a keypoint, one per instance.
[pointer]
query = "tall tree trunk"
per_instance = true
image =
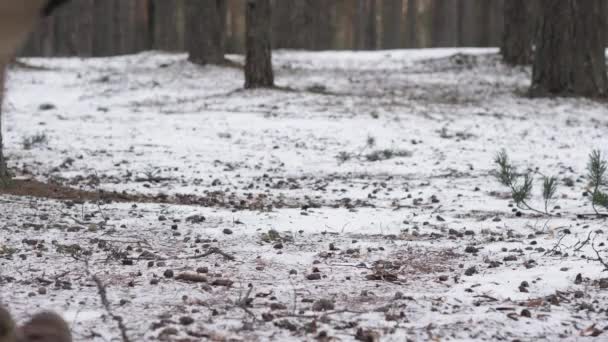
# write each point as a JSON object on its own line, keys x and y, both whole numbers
{"x": 570, "y": 57}
{"x": 365, "y": 31}
{"x": 411, "y": 22}
{"x": 83, "y": 40}
{"x": 235, "y": 28}
{"x": 323, "y": 28}
{"x": 345, "y": 11}
{"x": 4, "y": 174}
{"x": 103, "y": 44}
{"x": 258, "y": 66}
{"x": 516, "y": 47}
{"x": 303, "y": 24}
{"x": 168, "y": 23}
{"x": 496, "y": 22}
{"x": 445, "y": 23}
{"x": 391, "y": 23}
{"x": 205, "y": 31}
{"x": 472, "y": 18}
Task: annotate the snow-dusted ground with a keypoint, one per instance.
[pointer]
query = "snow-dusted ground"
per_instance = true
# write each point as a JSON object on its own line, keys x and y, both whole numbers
{"x": 300, "y": 201}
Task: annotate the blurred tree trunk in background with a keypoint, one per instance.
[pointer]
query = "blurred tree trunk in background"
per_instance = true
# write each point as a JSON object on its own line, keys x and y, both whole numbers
{"x": 496, "y": 22}
{"x": 83, "y": 34}
{"x": 344, "y": 34}
{"x": 103, "y": 19}
{"x": 4, "y": 174}
{"x": 205, "y": 31}
{"x": 258, "y": 65}
{"x": 303, "y": 24}
{"x": 411, "y": 33}
{"x": 392, "y": 14}
{"x": 110, "y": 27}
{"x": 445, "y": 23}
{"x": 281, "y": 27}
{"x": 235, "y": 27}
{"x": 143, "y": 35}
{"x": 424, "y": 23}
{"x": 168, "y": 24}
{"x": 365, "y": 31}
{"x": 472, "y": 15}
{"x": 518, "y": 33}
{"x": 570, "y": 55}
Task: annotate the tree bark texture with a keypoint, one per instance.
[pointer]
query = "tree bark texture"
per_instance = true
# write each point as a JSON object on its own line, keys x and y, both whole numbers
{"x": 392, "y": 14}
{"x": 570, "y": 56}
{"x": 517, "y": 37}
{"x": 258, "y": 66}
{"x": 205, "y": 31}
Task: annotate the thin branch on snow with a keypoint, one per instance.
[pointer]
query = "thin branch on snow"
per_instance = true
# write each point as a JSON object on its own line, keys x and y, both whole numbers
{"x": 244, "y": 301}
{"x": 599, "y": 257}
{"x": 579, "y": 247}
{"x": 101, "y": 290}
{"x": 556, "y": 246}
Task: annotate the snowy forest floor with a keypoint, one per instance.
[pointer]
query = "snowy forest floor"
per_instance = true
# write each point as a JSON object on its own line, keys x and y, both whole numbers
{"x": 357, "y": 201}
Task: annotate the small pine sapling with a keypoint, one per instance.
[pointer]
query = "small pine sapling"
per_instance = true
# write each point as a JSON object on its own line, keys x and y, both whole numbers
{"x": 549, "y": 190}
{"x": 596, "y": 172}
{"x": 521, "y": 190}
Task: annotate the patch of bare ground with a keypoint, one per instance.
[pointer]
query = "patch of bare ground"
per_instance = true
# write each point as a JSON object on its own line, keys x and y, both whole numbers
{"x": 218, "y": 199}
{"x": 414, "y": 263}
{"x": 33, "y": 188}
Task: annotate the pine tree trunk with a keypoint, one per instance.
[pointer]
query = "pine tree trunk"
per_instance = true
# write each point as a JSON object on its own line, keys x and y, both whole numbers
{"x": 365, "y": 32}
{"x": 569, "y": 58}
{"x": 516, "y": 47}
{"x": 496, "y": 22}
{"x": 411, "y": 22}
{"x": 391, "y": 23}
{"x": 258, "y": 66}
{"x": 235, "y": 31}
{"x": 445, "y": 23}
{"x": 345, "y": 11}
{"x": 472, "y": 17}
{"x": 4, "y": 174}
{"x": 205, "y": 31}
{"x": 103, "y": 34}
{"x": 302, "y": 24}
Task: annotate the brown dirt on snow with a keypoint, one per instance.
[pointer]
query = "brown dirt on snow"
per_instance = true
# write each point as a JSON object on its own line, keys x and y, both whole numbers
{"x": 34, "y": 188}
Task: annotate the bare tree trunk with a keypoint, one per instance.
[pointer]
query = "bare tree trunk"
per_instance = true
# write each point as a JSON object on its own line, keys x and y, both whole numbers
{"x": 104, "y": 27}
{"x": 235, "y": 29}
{"x": 412, "y": 24}
{"x": 570, "y": 56}
{"x": 516, "y": 48}
{"x": 365, "y": 31}
{"x": 258, "y": 66}
{"x": 472, "y": 18}
{"x": 345, "y": 11}
{"x": 205, "y": 31}
{"x": 303, "y": 24}
{"x": 496, "y": 22}
{"x": 391, "y": 23}
{"x": 445, "y": 23}
{"x": 323, "y": 29}
{"x": 4, "y": 174}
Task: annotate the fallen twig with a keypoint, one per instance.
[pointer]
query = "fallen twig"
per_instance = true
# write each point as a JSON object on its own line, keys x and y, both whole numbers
{"x": 244, "y": 301}
{"x": 597, "y": 253}
{"x": 101, "y": 290}
{"x": 213, "y": 250}
{"x": 557, "y": 245}
{"x": 583, "y": 243}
